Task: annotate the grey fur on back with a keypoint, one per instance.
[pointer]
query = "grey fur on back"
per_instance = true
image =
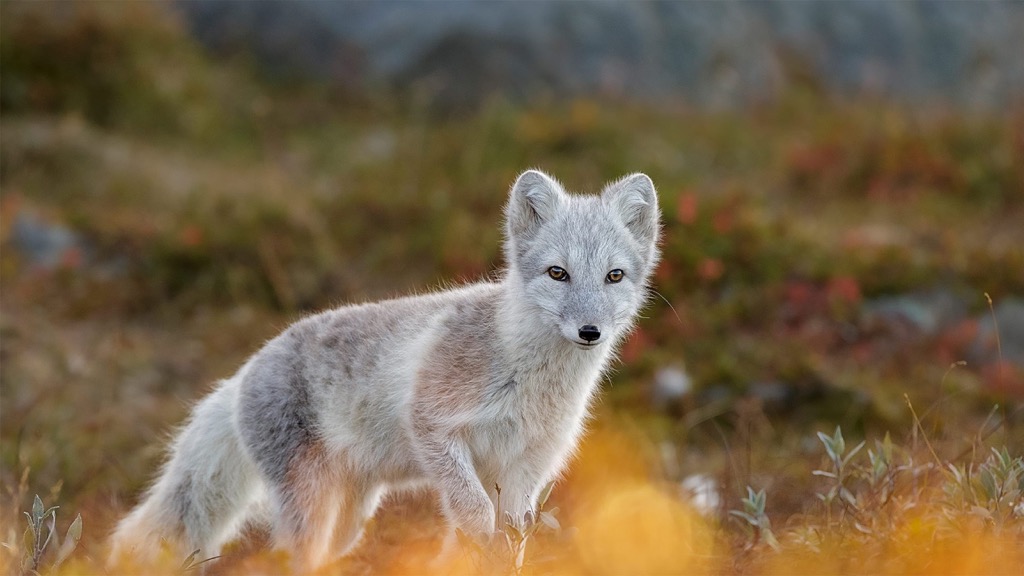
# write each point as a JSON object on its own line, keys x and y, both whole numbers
{"x": 459, "y": 391}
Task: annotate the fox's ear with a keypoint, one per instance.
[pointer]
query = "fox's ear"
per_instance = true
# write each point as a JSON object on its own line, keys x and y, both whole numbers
{"x": 634, "y": 199}
{"x": 535, "y": 198}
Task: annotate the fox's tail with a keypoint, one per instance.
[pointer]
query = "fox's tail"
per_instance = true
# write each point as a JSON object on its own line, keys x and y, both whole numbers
{"x": 203, "y": 495}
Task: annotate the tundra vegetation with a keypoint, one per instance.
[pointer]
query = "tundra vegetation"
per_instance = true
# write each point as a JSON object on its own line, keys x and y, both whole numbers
{"x": 163, "y": 214}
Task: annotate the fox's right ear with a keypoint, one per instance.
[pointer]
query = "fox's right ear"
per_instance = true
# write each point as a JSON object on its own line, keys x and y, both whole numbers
{"x": 636, "y": 202}
{"x": 535, "y": 198}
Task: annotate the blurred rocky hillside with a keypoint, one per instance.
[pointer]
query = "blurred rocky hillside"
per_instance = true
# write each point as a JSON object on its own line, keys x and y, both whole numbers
{"x": 714, "y": 54}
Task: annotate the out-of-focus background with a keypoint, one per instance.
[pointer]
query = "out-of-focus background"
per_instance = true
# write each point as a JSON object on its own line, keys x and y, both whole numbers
{"x": 843, "y": 196}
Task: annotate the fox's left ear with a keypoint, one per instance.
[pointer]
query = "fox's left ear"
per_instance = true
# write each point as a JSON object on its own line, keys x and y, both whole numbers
{"x": 635, "y": 201}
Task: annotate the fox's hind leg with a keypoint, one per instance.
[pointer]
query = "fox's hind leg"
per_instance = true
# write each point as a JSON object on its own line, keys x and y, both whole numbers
{"x": 319, "y": 516}
{"x": 305, "y": 511}
{"x": 360, "y": 503}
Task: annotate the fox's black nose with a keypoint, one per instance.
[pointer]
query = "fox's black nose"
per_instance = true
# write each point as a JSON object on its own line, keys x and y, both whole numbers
{"x": 589, "y": 332}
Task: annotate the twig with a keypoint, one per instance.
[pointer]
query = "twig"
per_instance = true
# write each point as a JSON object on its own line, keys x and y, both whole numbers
{"x": 917, "y": 423}
{"x": 276, "y": 275}
{"x": 995, "y": 326}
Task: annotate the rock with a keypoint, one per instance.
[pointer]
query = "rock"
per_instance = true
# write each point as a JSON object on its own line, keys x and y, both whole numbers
{"x": 716, "y": 394}
{"x": 715, "y": 54}
{"x": 774, "y": 395}
{"x": 924, "y": 313}
{"x": 45, "y": 245}
{"x": 702, "y": 492}
{"x": 671, "y": 384}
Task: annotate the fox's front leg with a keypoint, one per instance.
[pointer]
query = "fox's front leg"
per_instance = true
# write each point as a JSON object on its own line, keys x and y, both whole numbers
{"x": 463, "y": 499}
{"x": 519, "y": 492}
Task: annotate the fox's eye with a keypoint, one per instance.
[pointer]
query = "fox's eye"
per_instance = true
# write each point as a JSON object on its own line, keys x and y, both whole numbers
{"x": 615, "y": 276}
{"x": 558, "y": 273}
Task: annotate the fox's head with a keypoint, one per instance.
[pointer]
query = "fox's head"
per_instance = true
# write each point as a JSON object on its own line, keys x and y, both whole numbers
{"x": 583, "y": 262}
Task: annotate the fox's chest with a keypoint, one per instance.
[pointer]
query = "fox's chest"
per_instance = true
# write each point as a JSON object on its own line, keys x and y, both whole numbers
{"x": 529, "y": 437}
{"x": 536, "y": 409}
{"x": 541, "y": 410}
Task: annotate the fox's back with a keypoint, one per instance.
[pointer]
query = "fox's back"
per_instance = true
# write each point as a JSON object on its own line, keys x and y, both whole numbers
{"x": 341, "y": 381}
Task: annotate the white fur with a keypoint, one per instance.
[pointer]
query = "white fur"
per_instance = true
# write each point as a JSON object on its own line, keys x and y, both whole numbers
{"x": 457, "y": 391}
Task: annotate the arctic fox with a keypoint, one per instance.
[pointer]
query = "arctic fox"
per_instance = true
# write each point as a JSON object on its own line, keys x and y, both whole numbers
{"x": 460, "y": 391}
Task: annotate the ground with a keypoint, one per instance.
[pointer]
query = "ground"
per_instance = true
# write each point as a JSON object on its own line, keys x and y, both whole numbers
{"x": 827, "y": 263}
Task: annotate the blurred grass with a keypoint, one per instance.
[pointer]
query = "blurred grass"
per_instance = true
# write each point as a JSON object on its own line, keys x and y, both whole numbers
{"x": 214, "y": 206}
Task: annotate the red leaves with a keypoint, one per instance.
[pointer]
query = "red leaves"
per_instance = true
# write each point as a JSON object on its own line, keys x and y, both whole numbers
{"x": 686, "y": 208}
{"x": 710, "y": 269}
{"x": 1004, "y": 379}
{"x": 843, "y": 290}
{"x": 635, "y": 346}
{"x": 191, "y": 236}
